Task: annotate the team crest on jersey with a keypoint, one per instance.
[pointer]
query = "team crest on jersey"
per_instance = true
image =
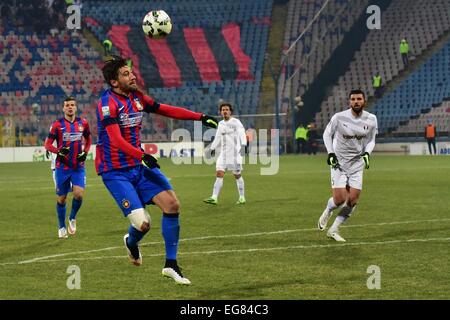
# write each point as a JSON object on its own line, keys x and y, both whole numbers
{"x": 138, "y": 104}
{"x": 80, "y": 128}
{"x": 125, "y": 203}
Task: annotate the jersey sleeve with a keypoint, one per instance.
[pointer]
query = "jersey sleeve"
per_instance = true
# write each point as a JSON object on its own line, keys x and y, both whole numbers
{"x": 371, "y": 141}
{"x": 108, "y": 111}
{"x": 52, "y": 135}
{"x": 328, "y": 134}
{"x": 87, "y": 130}
{"x": 216, "y": 141}
{"x": 150, "y": 104}
{"x": 87, "y": 136}
{"x": 241, "y": 133}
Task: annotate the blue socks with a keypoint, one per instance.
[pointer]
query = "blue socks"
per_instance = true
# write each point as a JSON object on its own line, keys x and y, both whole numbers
{"x": 170, "y": 228}
{"x": 171, "y": 233}
{"x": 134, "y": 236}
{"x": 76, "y": 204}
{"x": 61, "y": 211}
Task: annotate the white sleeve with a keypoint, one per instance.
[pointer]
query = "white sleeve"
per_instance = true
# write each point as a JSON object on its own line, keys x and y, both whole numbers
{"x": 371, "y": 144}
{"x": 241, "y": 133}
{"x": 216, "y": 141}
{"x": 329, "y": 133}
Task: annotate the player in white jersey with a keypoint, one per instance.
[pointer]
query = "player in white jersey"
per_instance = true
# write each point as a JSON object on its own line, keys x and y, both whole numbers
{"x": 350, "y": 139}
{"x": 230, "y": 139}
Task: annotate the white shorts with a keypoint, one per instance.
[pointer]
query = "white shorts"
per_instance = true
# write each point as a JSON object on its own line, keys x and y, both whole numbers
{"x": 221, "y": 165}
{"x": 340, "y": 179}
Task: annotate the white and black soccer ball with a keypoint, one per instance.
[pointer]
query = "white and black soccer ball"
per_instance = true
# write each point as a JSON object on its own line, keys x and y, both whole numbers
{"x": 157, "y": 24}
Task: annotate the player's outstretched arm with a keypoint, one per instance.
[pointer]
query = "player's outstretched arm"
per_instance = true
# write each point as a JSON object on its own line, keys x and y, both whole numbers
{"x": 151, "y": 106}
{"x": 185, "y": 114}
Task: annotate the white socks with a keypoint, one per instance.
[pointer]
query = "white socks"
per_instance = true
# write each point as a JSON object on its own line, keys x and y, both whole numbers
{"x": 217, "y": 186}
{"x": 219, "y": 183}
{"x": 331, "y": 205}
{"x": 240, "y": 186}
{"x": 344, "y": 214}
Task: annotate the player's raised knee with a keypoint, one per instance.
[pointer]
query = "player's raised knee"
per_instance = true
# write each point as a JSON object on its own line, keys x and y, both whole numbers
{"x": 140, "y": 220}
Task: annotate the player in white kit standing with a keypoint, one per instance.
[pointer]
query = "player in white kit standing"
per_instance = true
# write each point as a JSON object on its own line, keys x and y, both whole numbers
{"x": 350, "y": 139}
{"x": 230, "y": 138}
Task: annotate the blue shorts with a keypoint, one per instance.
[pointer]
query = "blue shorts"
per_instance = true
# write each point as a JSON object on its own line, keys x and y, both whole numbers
{"x": 134, "y": 187}
{"x": 65, "y": 179}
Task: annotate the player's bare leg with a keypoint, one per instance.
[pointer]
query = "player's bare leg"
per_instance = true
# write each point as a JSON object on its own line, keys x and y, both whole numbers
{"x": 167, "y": 201}
{"x": 216, "y": 189}
{"x": 344, "y": 214}
{"x": 338, "y": 198}
{"x": 76, "y": 204}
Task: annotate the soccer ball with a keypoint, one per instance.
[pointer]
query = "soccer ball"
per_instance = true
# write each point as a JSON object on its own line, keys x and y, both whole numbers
{"x": 157, "y": 24}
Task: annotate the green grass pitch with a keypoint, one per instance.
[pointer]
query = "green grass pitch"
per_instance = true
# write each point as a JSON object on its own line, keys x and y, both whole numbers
{"x": 268, "y": 248}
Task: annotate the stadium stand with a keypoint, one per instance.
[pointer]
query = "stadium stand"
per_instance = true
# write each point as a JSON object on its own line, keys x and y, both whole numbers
{"x": 215, "y": 51}
{"x": 316, "y": 46}
{"x": 440, "y": 116}
{"x": 421, "y": 23}
{"x": 417, "y": 95}
{"x": 39, "y": 71}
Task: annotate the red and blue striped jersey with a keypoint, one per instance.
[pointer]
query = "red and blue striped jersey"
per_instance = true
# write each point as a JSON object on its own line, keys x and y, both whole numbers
{"x": 127, "y": 112}
{"x": 69, "y": 134}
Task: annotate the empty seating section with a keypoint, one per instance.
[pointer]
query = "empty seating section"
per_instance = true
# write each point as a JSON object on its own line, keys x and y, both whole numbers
{"x": 325, "y": 34}
{"x": 421, "y": 23}
{"x": 423, "y": 89}
{"x": 215, "y": 51}
{"x": 39, "y": 71}
{"x": 440, "y": 116}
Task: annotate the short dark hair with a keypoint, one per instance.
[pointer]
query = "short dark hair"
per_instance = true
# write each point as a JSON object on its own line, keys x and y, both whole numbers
{"x": 111, "y": 68}
{"x": 226, "y": 104}
{"x": 357, "y": 91}
{"x": 69, "y": 98}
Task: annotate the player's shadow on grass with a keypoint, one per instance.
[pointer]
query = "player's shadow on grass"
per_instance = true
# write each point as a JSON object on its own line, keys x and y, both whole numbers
{"x": 251, "y": 290}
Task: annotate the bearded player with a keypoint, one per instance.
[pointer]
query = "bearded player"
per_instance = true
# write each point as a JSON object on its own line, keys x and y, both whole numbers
{"x": 132, "y": 176}
{"x": 350, "y": 139}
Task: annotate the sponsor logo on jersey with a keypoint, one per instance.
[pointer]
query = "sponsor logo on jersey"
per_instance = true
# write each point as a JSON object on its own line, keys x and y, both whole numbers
{"x": 353, "y": 137}
{"x": 127, "y": 120}
{"x": 76, "y": 136}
